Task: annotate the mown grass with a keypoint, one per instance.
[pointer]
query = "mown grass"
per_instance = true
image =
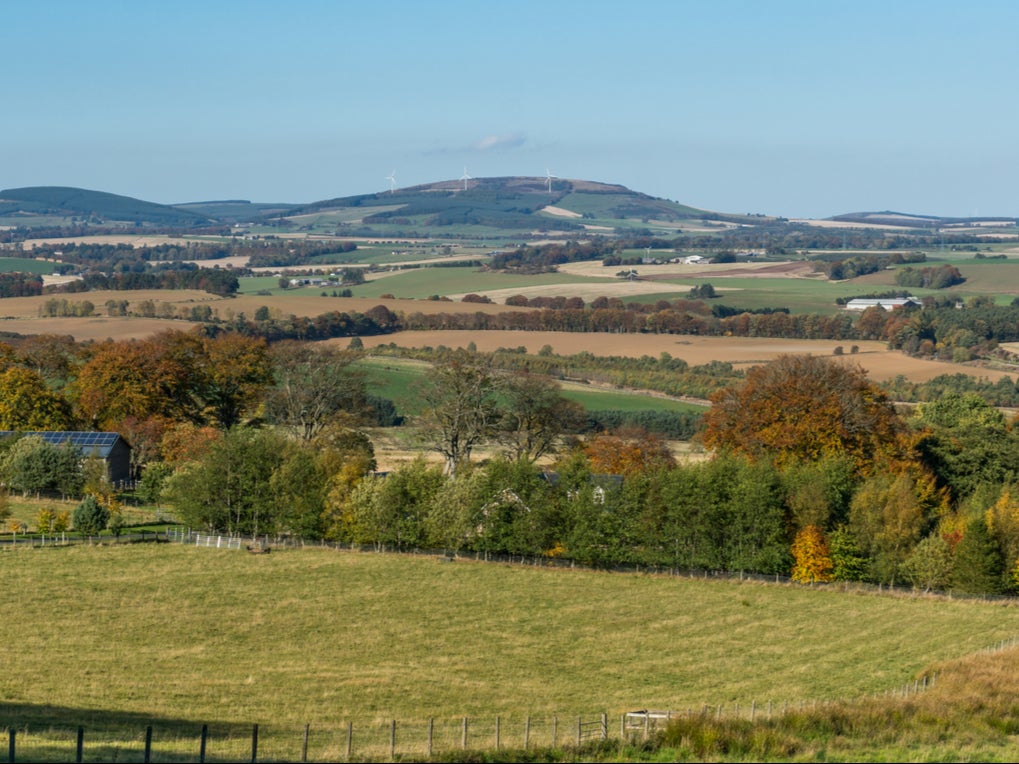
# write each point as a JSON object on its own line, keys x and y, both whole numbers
{"x": 118, "y": 637}
{"x": 321, "y": 637}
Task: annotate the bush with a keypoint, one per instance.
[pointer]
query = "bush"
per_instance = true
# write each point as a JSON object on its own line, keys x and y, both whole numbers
{"x": 91, "y": 517}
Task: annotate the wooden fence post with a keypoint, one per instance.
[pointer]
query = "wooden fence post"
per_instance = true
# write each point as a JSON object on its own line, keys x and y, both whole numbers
{"x": 431, "y": 735}
{"x": 555, "y": 729}
{"x": 604, "y": 726}
{"x": 527, "y": 733}
{"x": 497, "y": 730}
{"x": 578, "y": 732}
{"x": 148, "y": 744}
{"x": 201, "y": 745}
{"x": 254, "y": 743}
{"x": 11, "y": 736}
{"x": 80, "y": 749}
{"x": 392, "y": 740}
{"x": 463, "y": 739}
{"x": 350, "y": 739}
{"x": 304, "y": 743}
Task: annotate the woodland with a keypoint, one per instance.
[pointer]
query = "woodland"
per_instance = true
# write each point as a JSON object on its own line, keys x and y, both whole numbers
{"x": 814, "y": 472}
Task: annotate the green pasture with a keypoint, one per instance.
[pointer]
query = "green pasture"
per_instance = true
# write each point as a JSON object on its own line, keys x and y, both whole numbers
{"x": 192, "y": 635}
{"x": 25, "y": 265}
{"x": 399, "y": 380}
{"x": 611, "y": 400}
{"x": 988, "y": 277}
{"x": 424, "y": 282}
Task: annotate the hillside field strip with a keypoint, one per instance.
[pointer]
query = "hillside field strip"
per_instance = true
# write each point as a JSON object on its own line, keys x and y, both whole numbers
{"x": 320, "y": 637}
{"x": 875, "y": 358}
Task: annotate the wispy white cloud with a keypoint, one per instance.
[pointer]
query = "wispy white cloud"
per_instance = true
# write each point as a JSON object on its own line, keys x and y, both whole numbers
{"x": 500, "y": 142}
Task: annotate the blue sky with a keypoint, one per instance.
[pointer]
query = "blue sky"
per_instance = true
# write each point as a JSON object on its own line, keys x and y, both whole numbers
{"x": 781, "y": 107}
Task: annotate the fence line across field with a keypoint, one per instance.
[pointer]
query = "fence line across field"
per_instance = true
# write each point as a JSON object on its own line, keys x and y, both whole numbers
{"x": 382, "y": 740}
{"x": 263, "y": 544}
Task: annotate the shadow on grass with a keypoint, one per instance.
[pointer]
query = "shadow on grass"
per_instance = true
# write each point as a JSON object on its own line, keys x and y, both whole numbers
{"x": 45, "y": 733}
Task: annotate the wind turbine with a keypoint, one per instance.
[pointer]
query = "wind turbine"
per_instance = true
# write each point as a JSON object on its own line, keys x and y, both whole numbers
{"x": 548, "y": 178}
{"x": 465, "y": 177}
{"x": 392, "y": 181}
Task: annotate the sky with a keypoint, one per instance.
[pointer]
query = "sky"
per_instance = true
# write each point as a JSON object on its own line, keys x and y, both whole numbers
{"x": 785, "y": 107}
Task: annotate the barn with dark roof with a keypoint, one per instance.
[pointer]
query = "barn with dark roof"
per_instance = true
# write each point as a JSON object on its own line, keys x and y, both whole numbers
{"x": 108, "y": 446}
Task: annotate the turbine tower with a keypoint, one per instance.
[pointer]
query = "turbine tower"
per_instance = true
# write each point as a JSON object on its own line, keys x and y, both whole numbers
{"x": 392, "y": 181}
{"x": 548, "y": 179}
{"x": 465, "y": 177}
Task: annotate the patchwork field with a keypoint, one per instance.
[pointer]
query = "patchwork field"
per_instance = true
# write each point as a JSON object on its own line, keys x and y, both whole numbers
{"x": 877, "y": 360}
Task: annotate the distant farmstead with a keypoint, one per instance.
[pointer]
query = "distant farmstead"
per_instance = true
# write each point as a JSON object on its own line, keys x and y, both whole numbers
{"x": 887, "y": 303}
{"x": 108, "y": 446}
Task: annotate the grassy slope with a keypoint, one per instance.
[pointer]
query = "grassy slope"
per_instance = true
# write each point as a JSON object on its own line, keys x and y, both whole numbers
{"x": 25, "y": 265}
{"x": 399, "y": 379}
{"x": 320, "y": 637}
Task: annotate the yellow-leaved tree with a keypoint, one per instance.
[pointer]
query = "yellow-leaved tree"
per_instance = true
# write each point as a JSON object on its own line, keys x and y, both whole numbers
{"x": 812, "y": 558}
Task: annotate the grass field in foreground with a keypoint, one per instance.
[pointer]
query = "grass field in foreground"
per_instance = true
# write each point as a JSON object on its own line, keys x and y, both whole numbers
{"x": 321, "y": 637}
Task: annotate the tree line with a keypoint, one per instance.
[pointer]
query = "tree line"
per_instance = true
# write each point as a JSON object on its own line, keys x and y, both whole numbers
{"x": 812, "y": 473}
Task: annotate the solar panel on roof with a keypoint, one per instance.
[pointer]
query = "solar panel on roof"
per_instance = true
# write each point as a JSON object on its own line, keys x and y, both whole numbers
{"x": 100, "y": 443}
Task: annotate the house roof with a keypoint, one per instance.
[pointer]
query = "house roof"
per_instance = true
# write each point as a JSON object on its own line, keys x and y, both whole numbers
{"x": 98, "y": 443}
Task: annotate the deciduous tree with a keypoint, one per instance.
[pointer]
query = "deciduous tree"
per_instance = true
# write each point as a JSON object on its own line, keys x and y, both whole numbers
{"x": 460, "y": 402}
{"x": 813, "y": 563}
{"x": 535, "y": 416}
{"x": 313, "y": 386}
{"x": 27, "y": 403}
{"x": 803, "y": 408}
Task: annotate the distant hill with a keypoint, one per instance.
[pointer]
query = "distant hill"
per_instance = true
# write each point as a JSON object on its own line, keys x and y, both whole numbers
{"x": 91, "y": 206}
{"x": 234, "y": 210}
{"x": 509, "y": 204}
{"x": 513, "y": 208}
{"x": 905, "y": 220}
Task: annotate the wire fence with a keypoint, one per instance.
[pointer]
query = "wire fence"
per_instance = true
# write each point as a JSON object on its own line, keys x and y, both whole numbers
{"x": 391, "y": 740}
{"x": 267, "y": 543}
{"x": 384, "y": 740}
{"x": 264, "y": 544}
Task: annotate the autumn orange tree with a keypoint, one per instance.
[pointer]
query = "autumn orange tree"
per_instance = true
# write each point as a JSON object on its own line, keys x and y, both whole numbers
{"x": 627, "y": 452}
{"x": 176, "y": 376}
{"x": 803, "y": 408}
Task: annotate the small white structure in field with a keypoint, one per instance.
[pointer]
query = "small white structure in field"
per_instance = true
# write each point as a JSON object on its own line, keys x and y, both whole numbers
{"x": 887, "y": 303}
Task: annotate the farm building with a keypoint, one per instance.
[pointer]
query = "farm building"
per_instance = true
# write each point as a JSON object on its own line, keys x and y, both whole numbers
{"x": 888, "y": 303}
{"x": 108, "y": 446}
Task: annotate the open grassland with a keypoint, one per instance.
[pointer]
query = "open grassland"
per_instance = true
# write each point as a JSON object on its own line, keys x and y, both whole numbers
{"x": 424, "y": 282}
{"x": 323, "y": 637}
{"x": 25, "y": 265}
{"x": 400, "y": 380}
